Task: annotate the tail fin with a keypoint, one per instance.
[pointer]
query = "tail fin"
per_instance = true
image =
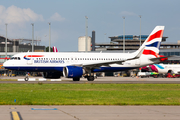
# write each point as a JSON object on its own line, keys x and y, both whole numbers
{"x": 152, "y": 43}
{"x": 55, "y": 49}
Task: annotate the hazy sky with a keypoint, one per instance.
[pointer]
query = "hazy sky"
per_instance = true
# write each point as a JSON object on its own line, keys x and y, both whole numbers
{"x": 67, "y": 19}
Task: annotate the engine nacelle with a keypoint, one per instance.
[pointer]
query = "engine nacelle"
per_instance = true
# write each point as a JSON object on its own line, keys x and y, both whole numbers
{"x": 73, "y": 72}
{"x": 53, "y": 75}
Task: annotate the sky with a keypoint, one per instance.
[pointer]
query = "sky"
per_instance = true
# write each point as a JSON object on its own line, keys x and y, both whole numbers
{"x": 105, "y": 17}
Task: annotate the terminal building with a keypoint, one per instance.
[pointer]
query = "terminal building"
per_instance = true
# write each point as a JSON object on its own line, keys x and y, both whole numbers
{"x": 18, "y": 45}
{"x": 132, "y": 43}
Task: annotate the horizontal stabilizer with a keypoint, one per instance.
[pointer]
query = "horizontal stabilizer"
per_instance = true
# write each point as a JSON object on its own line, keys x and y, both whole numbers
{"x": 158, "y": 58}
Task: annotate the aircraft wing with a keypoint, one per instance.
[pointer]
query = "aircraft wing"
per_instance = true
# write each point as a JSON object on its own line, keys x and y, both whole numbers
{"x": 97, "y": 65}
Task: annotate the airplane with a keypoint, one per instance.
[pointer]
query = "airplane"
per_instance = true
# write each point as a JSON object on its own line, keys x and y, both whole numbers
{"x": 77, "y": 64}
{"x": 163, "y": 68}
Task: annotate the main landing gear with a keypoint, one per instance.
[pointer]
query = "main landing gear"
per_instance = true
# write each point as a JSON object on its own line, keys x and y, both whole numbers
{"x": 90, "y": 78}
{"x": 76, "y": 79}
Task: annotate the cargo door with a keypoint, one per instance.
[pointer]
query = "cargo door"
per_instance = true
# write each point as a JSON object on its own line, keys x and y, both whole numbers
{"x": 138, "y": 62}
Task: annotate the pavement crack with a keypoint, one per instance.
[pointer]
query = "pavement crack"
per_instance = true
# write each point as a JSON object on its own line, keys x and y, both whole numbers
{"x": 165, "y": 113}
{"x": 70, "y": 115}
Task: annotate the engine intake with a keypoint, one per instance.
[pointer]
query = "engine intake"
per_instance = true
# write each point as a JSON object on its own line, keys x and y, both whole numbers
{"x": 73, "y": 72}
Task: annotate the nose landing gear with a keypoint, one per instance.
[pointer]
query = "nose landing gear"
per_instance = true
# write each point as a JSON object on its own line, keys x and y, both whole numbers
{"x": 27, "y": 77}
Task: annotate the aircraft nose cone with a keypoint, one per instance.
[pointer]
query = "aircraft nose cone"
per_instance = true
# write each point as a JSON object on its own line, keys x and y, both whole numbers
{"x": 5, "y": 64}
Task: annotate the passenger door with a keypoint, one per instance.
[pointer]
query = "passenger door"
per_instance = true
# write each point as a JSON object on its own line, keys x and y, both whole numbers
{"x": 29, "y": 59}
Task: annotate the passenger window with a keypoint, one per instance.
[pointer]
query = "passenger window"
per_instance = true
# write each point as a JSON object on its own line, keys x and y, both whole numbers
{"x": 18, "y": 58}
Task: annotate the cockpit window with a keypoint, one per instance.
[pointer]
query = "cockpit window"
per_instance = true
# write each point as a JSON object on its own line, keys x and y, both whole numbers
{"x": 15, "y": 58}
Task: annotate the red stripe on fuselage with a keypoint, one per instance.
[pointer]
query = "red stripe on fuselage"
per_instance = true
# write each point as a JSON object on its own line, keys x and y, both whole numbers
{"x": 158, "y": 34}
{"x": 34, "y": 56}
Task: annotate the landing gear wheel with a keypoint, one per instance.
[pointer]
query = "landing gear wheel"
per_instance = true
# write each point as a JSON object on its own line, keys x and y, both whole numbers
{"x": 26, "y": 78}
{"x": 90, "y": 78}
{"x": 76, "y": 79}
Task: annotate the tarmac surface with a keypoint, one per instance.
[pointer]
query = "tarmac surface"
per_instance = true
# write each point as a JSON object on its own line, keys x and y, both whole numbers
{"x": 90, "y": 112}
{"x": 43, "y": 112}
{"x": 99, "y": 80}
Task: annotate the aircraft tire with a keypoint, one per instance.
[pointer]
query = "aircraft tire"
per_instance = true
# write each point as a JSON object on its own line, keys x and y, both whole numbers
{"x": 26, "y": 78}
{"x": 90, "y": 78}
{"x": 76, "y": 79}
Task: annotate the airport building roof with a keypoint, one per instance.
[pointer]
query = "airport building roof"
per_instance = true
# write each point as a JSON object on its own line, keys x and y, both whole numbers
{"x": 132, "y": 42}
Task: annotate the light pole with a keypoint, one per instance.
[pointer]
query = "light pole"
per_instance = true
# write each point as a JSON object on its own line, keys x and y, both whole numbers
{"x": 140, "y": 38}
{"x": 140, "y": 31}
{"x": 86, "y": 33}
{"x": 6, "y": 42}
{"x": 49, "y": 37}
{"x": 32, "y": 37}
{"x": 123, "y": 34}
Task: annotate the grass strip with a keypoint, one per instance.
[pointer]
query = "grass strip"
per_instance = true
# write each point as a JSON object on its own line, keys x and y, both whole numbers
{"x": 8, "y": 79}
{"x": 89, "y": 94}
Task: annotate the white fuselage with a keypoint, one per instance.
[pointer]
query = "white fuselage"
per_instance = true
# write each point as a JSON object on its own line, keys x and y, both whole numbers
{"x": 45, "y": 61}
{"x": 165, "y": 68}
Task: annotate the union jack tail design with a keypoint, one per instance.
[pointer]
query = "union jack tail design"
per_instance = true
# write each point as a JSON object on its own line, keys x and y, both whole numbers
{"x": 153, "y": 42}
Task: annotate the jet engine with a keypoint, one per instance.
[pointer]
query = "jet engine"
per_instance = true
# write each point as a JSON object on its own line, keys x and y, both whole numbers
{"x": 73, "y": 71}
